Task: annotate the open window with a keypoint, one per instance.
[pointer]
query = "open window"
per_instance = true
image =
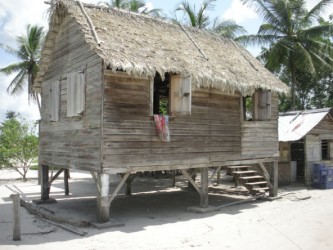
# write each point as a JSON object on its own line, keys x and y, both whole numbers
{"x": 258, "y": 106}
{"x": 75, "y": 94}
{"x": 172, "y": 96}
{"x": 325, "y": 150}
{"x": 55, "y": 88}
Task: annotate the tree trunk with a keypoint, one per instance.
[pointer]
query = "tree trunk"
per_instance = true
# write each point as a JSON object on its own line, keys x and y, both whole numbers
{"x": 293, "y": 83}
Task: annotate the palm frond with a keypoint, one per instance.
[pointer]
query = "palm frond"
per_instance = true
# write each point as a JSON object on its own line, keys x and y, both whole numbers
{"x": 13, "y": 68}
{"x": 317, "y": 10}
{"x": 228, "y": 28}
{"x": 17, "y": 84}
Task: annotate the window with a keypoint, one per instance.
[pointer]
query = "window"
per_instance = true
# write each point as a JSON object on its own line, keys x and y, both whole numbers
{"x": 258, "y": 106}
{"x": 55, "y": 88}
{"x": 75, "y": 94}
{"x": 172, "y": 96}
{"x": 325, "y": 150}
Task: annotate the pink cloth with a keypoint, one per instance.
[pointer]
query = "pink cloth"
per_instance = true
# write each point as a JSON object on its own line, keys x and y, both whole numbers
{"x": 162, "y": 125}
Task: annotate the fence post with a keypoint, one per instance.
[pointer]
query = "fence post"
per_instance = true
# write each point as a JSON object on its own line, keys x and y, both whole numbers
{"x": 16, "y": 213}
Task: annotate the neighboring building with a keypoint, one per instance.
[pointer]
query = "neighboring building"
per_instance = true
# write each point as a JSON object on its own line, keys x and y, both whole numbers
{"x": 105, "y": 73}
{"x": 306, "y": 137}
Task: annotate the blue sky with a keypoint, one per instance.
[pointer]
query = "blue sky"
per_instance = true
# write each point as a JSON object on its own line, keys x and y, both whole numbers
{"x": 16, "y": 14}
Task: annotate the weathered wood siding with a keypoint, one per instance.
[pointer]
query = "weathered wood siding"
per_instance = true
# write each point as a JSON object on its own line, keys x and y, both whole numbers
{"x": 323, "y": 131}
{"x": 130, "y": 141}
{"x": 72, "y": 142}
{"x": 260, "y": 138}
{"x": 285, "y": 176}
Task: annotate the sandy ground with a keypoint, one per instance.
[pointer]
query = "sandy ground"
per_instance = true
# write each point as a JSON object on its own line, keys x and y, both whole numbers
{"x": 155, "y": 217}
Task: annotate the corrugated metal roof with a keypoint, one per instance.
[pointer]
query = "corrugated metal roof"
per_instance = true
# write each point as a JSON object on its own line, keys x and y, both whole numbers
{"x": 296, "y": 124}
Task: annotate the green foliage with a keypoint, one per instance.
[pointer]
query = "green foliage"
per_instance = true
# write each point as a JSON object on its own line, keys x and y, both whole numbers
{"x": 164, "y": 106}
{"x": 138, "y": 6}
{"x": 18, "y": 145}
{"x": 297, "y": 42}
{"x": 29, "y": 51}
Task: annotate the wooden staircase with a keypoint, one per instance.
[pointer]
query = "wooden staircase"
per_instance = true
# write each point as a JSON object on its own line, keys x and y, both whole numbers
{"x": 250, "y": 178}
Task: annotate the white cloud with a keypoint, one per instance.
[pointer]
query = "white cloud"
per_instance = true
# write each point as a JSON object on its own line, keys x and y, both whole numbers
{"x": 239, "y": 13}
{"x": 17, "y": 103}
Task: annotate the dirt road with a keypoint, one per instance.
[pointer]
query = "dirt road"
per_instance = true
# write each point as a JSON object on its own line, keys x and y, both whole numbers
{"x": 301, "y": 219}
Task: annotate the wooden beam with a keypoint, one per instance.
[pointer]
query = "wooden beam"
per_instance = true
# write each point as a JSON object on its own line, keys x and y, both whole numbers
{"x": 55, "y": 176}
{"x": 273, "y": 191}
{"x": 216, "y": 170}
{"x": 218, "y": 177}
{"x": 265, "y": 174}
{"x": 115, "y": 192}
{"x": 204, "y": 188}
{"x": 129, "y": 184}
{"x": 16, "y": 217}
{"x": 96, "y": 181}
{"x": 174, "y": 177}
{"x": 66, "y": 177}
{"x": 189, "y": 178}
{"x": 45, "y": 194}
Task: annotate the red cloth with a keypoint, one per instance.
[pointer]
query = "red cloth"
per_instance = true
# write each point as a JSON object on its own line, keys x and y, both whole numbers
{"x": 162, "y": 125}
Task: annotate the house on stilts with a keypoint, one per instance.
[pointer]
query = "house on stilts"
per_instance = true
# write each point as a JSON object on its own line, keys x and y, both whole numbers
{"x": 104, "y": 74}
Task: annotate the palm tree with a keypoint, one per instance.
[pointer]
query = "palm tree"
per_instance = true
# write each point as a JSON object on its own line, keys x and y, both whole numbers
{"x": 29, "y": 51}
{"x": 137, "y": 6}
{"x": 120, "y": 4}
{"x": 228, "y": 28}
{"x": 201, "y": 20}
{"x": 294, "y": 37}
{"x": 196, "y": 19}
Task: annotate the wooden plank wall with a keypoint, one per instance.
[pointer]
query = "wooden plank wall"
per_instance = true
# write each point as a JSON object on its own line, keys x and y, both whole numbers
{"x": 260, "y": 138}
{"x": 130, "y": 139}
{"x": 323, "y": 131}
{"x": 72, "y": 142}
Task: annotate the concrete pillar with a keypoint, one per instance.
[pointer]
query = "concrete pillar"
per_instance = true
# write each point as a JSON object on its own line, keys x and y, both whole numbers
{"x": 103, "y": 201}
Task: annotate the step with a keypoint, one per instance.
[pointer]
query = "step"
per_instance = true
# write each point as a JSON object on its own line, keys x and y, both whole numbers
{"x": 244, "y": 172}
{"x": 238, "y": 167}
{"x": 256, "y": 183}
{"x": 263, "y": 189}
{"x": 251, "y": 177}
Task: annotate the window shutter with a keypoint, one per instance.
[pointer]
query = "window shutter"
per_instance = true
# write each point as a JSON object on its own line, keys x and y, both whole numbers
{"x": 180, "y": 95}
{"x": 75, "y": 94}
{"x": 262, "y": 105}
{"x": 54, "y": 101}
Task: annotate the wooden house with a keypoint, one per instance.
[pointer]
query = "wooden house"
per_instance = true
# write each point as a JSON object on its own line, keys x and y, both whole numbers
{"x": 305, "y": 138}
{"x": 104, "y": 73}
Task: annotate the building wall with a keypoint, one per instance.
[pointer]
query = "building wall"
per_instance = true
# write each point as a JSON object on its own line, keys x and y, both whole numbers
{"x": 210, "y": 136}
{"x": 323, "y": 131}
{"x": 260, "y": 138}
{"x": 130, "y": 141}
{"x": 72, "y": 142}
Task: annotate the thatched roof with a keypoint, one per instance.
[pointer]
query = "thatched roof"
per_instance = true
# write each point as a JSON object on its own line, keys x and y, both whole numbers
{"x": 143, "y": 45}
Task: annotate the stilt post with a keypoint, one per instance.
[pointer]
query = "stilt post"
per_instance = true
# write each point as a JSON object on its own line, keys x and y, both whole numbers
{"x": 103, "y": 204}
{"x": 66, "y": 177}
{"x": 273, "y": 191}
{"x": 16, "y": 217}
{"x": 45, "y": 194}
{"x": 129, "y": 185}
{"x": 204, "y": 188}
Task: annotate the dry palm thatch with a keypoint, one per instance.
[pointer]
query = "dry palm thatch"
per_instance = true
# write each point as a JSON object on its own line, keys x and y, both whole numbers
{"x": 143, "y": 45}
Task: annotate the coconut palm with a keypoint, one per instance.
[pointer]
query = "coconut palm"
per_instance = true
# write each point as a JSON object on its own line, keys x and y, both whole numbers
{"x": 201, "y": 20}
{"x": 294, "y": 37}
{"x": 120, "y": 4}
{"x": 196, "y": 19}
{"x": 228, "y": 28}
{"x": 29, "y": 51}
{"x": 137, "y": 6}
